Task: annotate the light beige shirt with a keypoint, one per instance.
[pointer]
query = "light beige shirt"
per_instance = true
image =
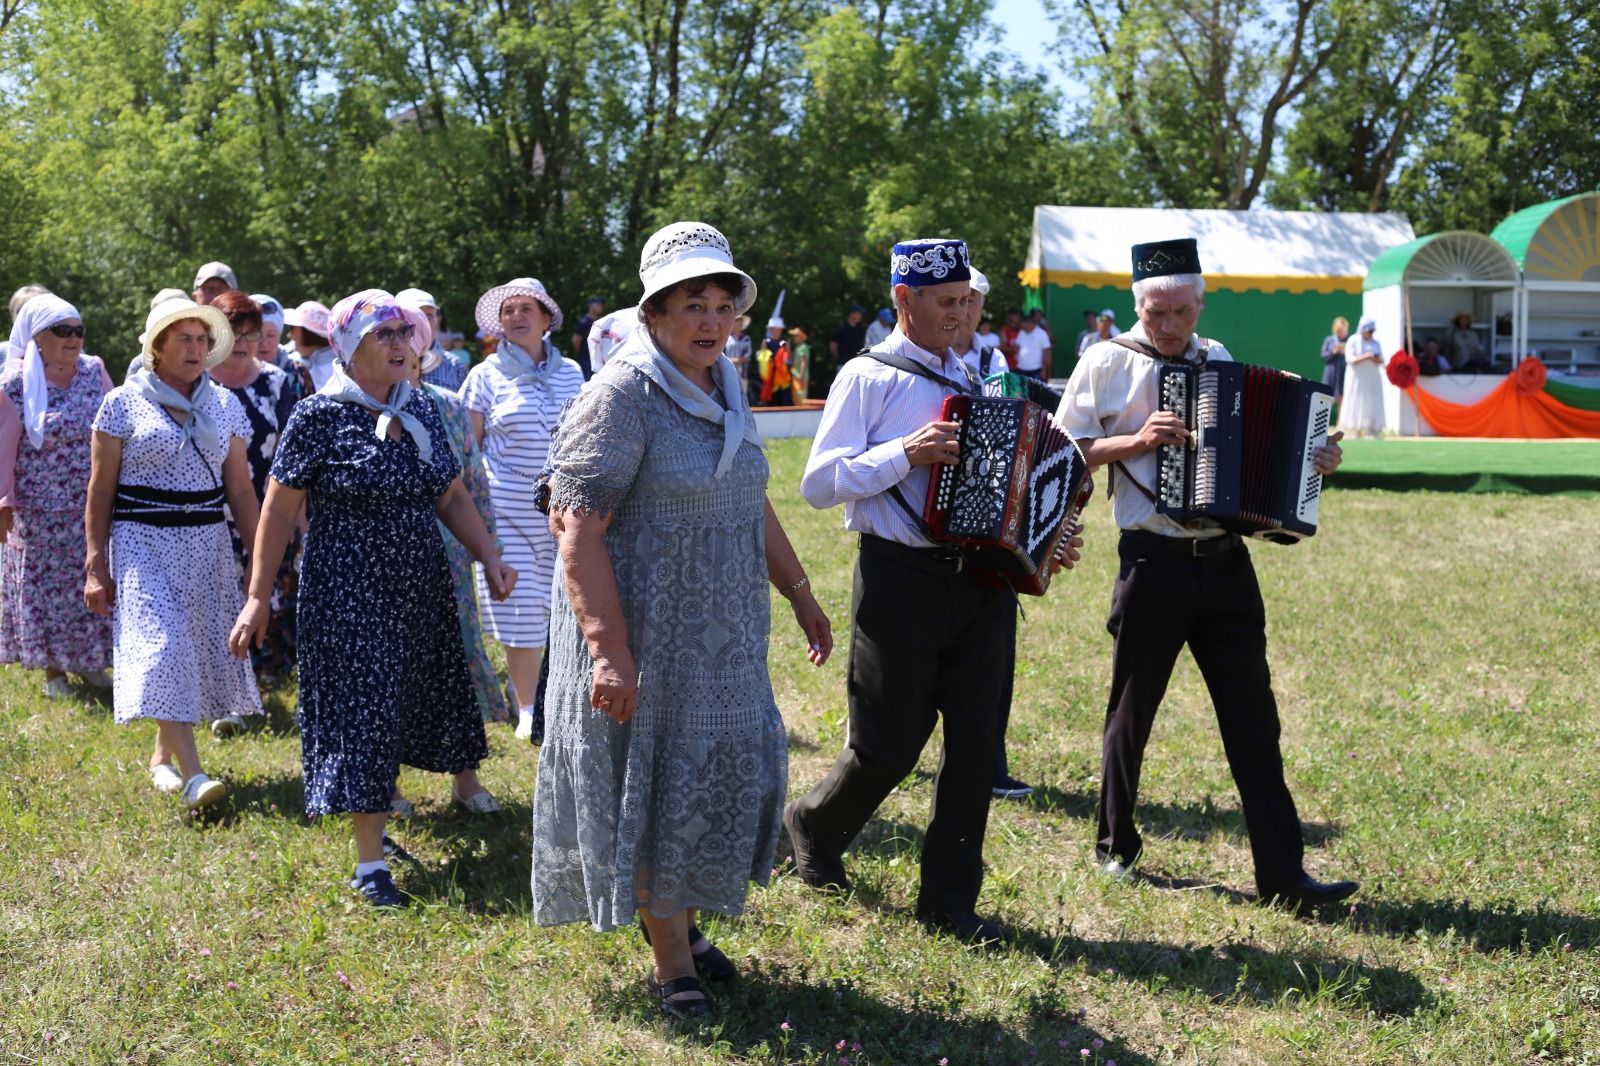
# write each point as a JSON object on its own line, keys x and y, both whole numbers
{"x": 1112, "y": 392}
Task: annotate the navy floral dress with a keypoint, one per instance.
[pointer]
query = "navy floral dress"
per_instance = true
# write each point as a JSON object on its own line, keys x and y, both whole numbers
{"x": 383, "y": 676}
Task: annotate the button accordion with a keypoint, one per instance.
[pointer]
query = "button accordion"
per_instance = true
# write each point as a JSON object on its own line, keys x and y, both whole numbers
{"x": 1017, "y": 488}
{"x": 1248, "y": 466}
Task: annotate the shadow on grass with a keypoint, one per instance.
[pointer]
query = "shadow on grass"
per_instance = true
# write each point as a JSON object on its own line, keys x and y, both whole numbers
{"x": 274, "y": 795}
{"x": 479, "y": 863}
{"x": 1201, "y": 820}
{"x": 1239, "y": 972}
{"x": 1489, "y": 927}
{"x": 748, "y": 1014}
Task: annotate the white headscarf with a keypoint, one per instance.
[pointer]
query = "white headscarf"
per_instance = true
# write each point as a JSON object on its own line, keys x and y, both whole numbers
{"x": 39, "y": 313}
{"x": 640, "y": 351}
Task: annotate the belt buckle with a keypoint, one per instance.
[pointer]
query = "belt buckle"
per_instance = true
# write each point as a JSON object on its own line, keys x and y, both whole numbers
{"x": 1194, "y": 547}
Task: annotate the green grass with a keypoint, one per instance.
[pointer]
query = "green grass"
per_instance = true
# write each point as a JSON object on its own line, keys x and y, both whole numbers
{"x": 1537, "y": 467}
{"x": 1435, "y": 660}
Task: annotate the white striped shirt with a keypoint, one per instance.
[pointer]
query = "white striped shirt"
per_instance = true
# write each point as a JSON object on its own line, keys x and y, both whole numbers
{"x": 859, "y": 451}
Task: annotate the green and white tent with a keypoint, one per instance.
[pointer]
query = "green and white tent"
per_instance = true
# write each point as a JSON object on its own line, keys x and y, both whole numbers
{"x": 1556, "y": 247}
{"x": 1275, "y": 280}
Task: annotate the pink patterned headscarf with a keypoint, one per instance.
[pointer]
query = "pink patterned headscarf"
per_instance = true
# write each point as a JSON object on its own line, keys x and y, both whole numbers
{"x": 357, "y": 315}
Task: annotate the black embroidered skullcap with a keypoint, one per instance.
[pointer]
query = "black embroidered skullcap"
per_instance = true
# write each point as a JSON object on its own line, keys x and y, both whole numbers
{"x": 1160, "y": 258}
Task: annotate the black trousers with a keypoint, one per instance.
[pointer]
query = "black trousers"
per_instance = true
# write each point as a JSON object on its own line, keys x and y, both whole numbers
{"x": 925, "y": 640}
{"x": 1002, "y": 765}
{"x": 1163, "y": 600}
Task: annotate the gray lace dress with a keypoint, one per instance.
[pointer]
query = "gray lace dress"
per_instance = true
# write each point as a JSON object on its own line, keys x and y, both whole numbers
{"x": 681, "y": 805}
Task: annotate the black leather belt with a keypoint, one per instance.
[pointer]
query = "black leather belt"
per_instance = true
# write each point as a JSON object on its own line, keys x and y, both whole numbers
{"x": 943, "y": 561}
{"x": 1195, "y": 547}
{"x": 166, "y": 507}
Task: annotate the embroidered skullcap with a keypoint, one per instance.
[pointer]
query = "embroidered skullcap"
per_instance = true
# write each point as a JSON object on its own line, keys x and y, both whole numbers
{"x": 357, "y": 315}
{"x": 929, "y": 261}
{"x": 687, "y": 250}
{"x": 1158, "y": 259}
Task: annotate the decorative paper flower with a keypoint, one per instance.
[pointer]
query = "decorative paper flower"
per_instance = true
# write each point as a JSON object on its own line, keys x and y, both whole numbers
{"x": 1402, "y": 369}
{"x": 1529, "y": 375}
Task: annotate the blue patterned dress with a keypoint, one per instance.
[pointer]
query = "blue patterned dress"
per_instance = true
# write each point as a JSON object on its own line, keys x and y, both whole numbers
{"x": 383, "y": 676}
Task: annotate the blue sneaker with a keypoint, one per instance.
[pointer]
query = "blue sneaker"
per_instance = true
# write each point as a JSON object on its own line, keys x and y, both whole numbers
{"x": 379, "y": 889}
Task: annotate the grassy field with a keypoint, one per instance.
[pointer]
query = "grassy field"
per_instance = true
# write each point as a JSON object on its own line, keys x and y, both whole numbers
{"x": 1435, "y": 657}
{"x": 1536, "y": 467}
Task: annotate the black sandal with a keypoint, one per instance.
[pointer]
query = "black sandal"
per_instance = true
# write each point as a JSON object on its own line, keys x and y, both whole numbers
{"x": 711, "y": 963}
{"x": 678, "y": 1008}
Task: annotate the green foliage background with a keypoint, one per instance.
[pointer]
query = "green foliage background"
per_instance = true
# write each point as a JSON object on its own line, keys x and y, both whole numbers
{"x": 323, "y": 146}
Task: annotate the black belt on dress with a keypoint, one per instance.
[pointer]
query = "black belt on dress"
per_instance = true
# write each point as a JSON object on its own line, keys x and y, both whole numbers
{"x": 1197, "y": 547}
{"x": 945, "y": 561}
{"x": 167, "y": 507}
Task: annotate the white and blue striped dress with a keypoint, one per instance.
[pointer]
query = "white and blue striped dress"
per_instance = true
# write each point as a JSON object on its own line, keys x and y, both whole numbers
{"x": 518, "y": 420}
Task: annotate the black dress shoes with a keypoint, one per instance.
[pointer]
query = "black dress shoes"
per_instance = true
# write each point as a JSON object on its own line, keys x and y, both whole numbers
{"x": 1311, "y": 893}
{"x": 821, "y": 871}
{"x": 966, "y": 926}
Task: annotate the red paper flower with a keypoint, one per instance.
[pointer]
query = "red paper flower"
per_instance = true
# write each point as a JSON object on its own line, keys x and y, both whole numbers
{"x": 1529, "y": 375}
{"x": 1402, "y": 369}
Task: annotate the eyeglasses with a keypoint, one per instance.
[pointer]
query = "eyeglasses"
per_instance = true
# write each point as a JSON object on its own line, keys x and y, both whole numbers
{"x": 394, "y": 334}
{"x": 61, "y": 329}
{"x": 247, "y": 338}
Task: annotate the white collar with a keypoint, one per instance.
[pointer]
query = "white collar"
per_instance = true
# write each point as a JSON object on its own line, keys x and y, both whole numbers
{"x": 898, "y": 342}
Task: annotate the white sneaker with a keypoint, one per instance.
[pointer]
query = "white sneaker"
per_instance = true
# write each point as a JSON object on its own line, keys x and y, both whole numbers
{"x": 226, "y": 726}
{"x": 201, "y": 791}
{"x": 165, "y": 778}
{"x": 524, "y": 725}
{"x": 100, "y": 679}
{"x": 56, "y": 688}
{"x": 1115, "y": 870}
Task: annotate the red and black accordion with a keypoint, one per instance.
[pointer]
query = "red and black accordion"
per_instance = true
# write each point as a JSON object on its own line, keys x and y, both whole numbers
{"x": 1248, "y": 465}
{"x": 1018, "y": 486}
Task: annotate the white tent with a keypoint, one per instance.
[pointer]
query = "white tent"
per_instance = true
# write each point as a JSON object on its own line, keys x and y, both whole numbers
{"x": 1297, "y": 251}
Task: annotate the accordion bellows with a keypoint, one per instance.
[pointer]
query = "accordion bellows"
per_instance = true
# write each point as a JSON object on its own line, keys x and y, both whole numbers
{"x": 1013, "y": 492}
{"x": 1248, "y": 466}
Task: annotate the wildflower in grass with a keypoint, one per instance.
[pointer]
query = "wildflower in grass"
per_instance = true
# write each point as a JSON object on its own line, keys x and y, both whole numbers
{"x": 1097, "y": 1043}
{"x": 1063, "y": 1043}
{"x": 1084, "y": 1052}
{"x": 339, "y": 975}
{"x": 839, "y": 1046}
{"x": 232, "y": 987}
{"x": 205, "y": 953}
{"x": 784, "y": 1027}
{"x": 944, "y": 1061}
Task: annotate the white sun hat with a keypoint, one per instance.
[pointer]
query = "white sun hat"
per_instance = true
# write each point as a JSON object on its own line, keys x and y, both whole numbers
{"x": 980, "y": 282}
{"x": 417, "y": 298}
{"x": 167, "y": 312}
{"x": 687, "y": 250}
{"x": 487, "y": 312}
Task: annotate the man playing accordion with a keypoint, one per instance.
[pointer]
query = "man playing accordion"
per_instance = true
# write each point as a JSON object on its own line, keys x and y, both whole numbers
{"x": 1180, "y": 584}
{"x": 927, "y": 636}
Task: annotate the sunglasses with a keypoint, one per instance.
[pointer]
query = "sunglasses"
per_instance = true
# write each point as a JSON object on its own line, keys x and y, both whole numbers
{"x": 394, "y": 334}
{"x": 63, "y": 330}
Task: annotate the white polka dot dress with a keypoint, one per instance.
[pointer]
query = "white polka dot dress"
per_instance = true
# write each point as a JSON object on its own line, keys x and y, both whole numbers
{"x": 518, "y": 418}
{"x": 176, "y": 583}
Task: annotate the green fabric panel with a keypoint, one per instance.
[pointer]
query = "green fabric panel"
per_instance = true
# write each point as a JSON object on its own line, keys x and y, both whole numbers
{"x": 1568, "y": 468}
{"x": 1390, "y": 266}
{"x": 1278, "y": 329}
{"x": 1517, "y": 231}
{"x": 1574, "y": 395}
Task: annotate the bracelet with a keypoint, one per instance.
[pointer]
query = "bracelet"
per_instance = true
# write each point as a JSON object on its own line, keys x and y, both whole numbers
{"x": 786, "y": 593}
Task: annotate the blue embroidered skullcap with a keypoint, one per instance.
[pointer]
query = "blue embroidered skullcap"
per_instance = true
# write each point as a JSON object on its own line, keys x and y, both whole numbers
{"x": 929, "y": 262}
{"x": 1156, "y": 259}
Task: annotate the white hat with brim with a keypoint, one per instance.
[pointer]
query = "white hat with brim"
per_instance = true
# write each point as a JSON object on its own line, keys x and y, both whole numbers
{"x": 417, "y": 298}
{"x": 168, "y": 312}
{"x": 487, "y": 313}
{"x": 312, "y": 315}
{"x": 687, "y": 250}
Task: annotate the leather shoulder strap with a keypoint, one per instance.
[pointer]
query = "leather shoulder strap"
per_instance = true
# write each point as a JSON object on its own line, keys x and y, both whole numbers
{"x": 965, "y": 387}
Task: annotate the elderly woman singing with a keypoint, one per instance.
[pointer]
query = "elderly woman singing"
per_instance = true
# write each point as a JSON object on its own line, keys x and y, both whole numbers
{"x": 47, "y": 409}
{"x": 665, "y": 763}
{"x": 383, "y": 676}
{"x": 169, "y": 449}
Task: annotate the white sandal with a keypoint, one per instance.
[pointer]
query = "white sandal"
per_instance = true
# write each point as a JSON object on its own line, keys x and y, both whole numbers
{"x": 477, "y": 803}
{"x": 165, "y": 778}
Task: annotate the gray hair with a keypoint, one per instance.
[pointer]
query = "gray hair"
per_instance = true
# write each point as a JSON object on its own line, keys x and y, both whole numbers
{"x": 23, "y": 295}
{"x": 1144, "y": 287}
